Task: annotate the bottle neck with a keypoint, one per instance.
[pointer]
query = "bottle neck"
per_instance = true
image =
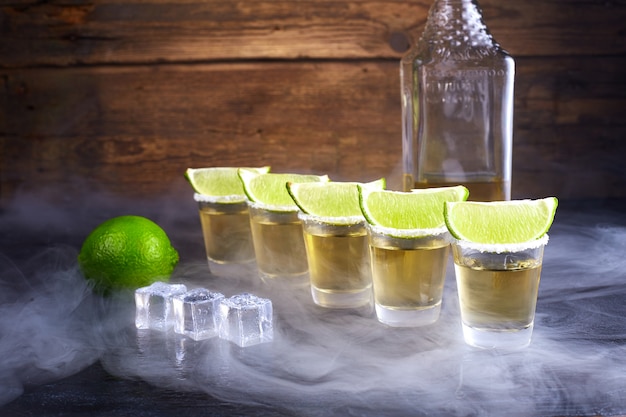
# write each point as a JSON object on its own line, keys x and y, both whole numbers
{"x": 455, "y": 29}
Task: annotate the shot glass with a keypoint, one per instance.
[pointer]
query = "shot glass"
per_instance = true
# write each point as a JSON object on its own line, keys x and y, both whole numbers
{"x": 226, "y": 230}
{"x": 338, "y": 259}
{"x": 278, "y": 244}
{"x": 408, "y": 273}
{"x": 497, "y": 290}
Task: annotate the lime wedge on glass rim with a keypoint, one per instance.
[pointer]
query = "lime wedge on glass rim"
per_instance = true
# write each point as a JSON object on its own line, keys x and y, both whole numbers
{"x": 500, "y": 222}
{"x": 417, "y": 209}
{"x": 270, "y": 189}
{"x": 334, "y": 199}
{"x": 219, "y": 183}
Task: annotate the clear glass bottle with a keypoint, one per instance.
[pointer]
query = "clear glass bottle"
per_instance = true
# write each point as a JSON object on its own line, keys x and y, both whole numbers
{"x": 457, "y": 105}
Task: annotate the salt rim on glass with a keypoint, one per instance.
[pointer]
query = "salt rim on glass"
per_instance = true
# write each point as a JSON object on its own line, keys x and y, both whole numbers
{"x": 334, "y": 221}
{"x": 503, "y": 247}
{"x": 271, "y": 207}
{"x": 409, "y": 233}
{"x": 220, "y": 199}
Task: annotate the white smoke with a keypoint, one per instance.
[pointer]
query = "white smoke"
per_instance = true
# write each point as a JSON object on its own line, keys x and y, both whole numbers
{"x": 322, "y": 361}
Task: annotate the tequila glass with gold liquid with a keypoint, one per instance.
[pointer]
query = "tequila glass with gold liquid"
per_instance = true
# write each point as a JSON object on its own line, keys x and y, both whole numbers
{"x": 338, "y": 261}
{"x": 498, "y": 292}
{"x": 408, "y": 274}
{"x": 278, "y": 244}
{"x": 226, "y": 230}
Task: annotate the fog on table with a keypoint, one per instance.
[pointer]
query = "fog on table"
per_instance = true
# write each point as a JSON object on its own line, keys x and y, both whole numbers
{"x": 331, "y": 199}
{"x": 127, "y": 252}
{"x": 270, "y": 189}
{"x": 219, "y": 181}
{"x": 500, "y": 222}
{"x": 416, "y": 209}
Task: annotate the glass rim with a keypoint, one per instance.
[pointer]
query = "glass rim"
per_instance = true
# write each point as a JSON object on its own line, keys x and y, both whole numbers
{"x": 220, "y": 199}
{"x": 333, "y": 221}
{"x": 270, "y": 207}
{"x": 503, "y": 247}
{"x": 407, "y": 233}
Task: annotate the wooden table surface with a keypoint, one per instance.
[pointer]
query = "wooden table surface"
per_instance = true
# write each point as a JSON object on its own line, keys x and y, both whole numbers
{"x": 66, "y": 352}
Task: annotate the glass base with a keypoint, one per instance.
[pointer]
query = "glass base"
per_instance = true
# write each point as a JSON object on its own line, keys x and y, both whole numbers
{"x": 241, "y": 261}
{"x": 299, "y": 280}
{"x": 497, "y": 339}
{"x": 352, "y": 299}
{"x": 408, "y": 318}
{"x": 221, "y": 268}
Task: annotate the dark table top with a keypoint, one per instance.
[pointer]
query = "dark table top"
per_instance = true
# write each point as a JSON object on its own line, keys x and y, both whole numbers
{"x": 65, "y": 351}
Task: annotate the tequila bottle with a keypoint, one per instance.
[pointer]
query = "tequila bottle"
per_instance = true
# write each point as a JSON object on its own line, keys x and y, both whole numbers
{"x": 457, "y": 105}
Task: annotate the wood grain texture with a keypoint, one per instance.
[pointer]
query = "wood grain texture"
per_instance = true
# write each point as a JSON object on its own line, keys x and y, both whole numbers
{"x": 123, "y": 96}
{"x": 136, "y": 129}
{"x": 146, "y": 125}
{"x": 141, "y": 31}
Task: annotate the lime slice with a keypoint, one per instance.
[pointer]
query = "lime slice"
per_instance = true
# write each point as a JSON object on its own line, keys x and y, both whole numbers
{"x": 270, "y": 189}
{"x": 500, "y": 222}
{"x": 331, "y": 199}
{"x": 222, "y": 183}
{"x": 417, "y": 209}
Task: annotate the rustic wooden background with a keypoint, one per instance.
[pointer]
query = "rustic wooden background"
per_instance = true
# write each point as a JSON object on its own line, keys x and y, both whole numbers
{"x": 121, "y": 96}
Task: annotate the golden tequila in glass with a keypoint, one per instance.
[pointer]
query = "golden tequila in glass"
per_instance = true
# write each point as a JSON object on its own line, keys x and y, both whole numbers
{"x": 498, "y": 293}
{"x": 487, "y": 190}
{"x": 338, "y": 262}
{"x": 408, "y": 274}
{"x": 278, "y": 243}
{"x": 226, "y": 231}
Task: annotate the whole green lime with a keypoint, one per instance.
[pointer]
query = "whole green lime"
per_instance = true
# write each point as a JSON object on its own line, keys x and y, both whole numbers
{"x": 127, "y": 252}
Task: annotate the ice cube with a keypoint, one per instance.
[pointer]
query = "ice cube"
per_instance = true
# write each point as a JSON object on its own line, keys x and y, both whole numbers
{"x": 196, "y": 313}
{"x": 154, "y": 305}
{"x": 246, "y": 320}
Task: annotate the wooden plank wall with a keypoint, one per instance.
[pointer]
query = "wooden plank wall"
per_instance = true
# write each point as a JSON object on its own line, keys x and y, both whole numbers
{"x": 123, "y": 95}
